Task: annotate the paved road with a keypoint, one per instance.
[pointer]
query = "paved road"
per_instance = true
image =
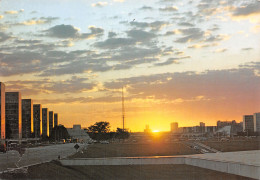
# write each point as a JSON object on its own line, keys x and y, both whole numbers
{"x": 36, "y": 155}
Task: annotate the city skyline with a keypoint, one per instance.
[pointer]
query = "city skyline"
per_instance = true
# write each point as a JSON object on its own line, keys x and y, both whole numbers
{"x": 185, "y": 62}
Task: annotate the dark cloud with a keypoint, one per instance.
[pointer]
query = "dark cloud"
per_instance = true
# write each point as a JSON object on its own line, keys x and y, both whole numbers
{"x": 73, "y": 85}
{"x": 140, "y": 35}
{"x": 190, "y": 34}
{"x": 68, "y": 31}
{"x": 146, "y": 8}
{"x": 170, "y": 61}
{"x": 228, "y": 84}
{"x": 4, "y": 37}
{"x": 214, "y": 38}
{"x": 185, "y": 24}
{"x": 134, "y": 36}
{"x": 156, "y": 25}
{"x": 113, "y": 43}
{"x": 112, "y": 34}
{"x": 248, "y": 9}
{"x": 247, "y": 49}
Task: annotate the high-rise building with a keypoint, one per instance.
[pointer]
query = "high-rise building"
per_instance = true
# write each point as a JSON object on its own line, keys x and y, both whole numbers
{"x": 56, "y": 119}
{"x": 174, "y": 127}
{"x": 37, "y": 120}
{"x": 51, "y": 121}
{"x": 45, "y": 122}
{"x": 2, "y": 110}
{"x": 13, "y": 115}
{"x": 27, "y": 118}
{"x": 257, "y": 122}
{"x": 248, "y": 123}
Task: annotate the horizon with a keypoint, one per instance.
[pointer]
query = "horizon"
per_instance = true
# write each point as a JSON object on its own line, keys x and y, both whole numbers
{"x": 178, "y": 61}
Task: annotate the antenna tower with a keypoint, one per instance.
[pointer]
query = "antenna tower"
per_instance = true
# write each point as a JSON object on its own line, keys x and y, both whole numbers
{"x": 123, "y": 108}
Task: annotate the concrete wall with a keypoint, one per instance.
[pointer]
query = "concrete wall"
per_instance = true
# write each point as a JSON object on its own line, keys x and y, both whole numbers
{"x": 251, "y": 170}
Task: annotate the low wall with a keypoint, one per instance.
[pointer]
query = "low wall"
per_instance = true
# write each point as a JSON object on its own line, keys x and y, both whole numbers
{"x": 122, "y": 161}
{"x": 246, "y": 170}
{"x": 241, "y": 167}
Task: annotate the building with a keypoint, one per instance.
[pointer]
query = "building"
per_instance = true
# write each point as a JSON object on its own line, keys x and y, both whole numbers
{"x": 45, "y": 122}
{"x": 2, "y": 110}
{"x": 37, "y": 120}
{"x": 51, "y": 121}
{"x": 235, "y": 127}
{"x": 13, "y": 115}
{"x": 248, "y": 123}
{"x": 202, "y": 127}
{"x": 56, "y": 119}
{"x": 174, "y": 127}
{"x": 257, "y": 122}
{"x": 27, "y": 118}
{"x": 211, "y": 129}
{"x": 147, "y": 129}
{"x": 78, "y": 134}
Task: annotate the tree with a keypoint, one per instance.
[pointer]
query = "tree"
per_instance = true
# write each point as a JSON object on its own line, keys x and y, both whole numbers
{"x": 99, "y": 127}
{"x": 122, "y": 134}
{"x": 99, "y": 131}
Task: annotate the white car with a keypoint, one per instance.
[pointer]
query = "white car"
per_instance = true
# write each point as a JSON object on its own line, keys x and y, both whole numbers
{"x": 104, "y": 142}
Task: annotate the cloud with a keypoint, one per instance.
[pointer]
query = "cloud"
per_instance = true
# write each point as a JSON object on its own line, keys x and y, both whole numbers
{"x": 215, "y": 38}
{"x": 35, "y": 21}
{"x": 11, "y": 12}
{"x": 155, "y": 26}
{"x": 190, "y": 34}
{"x": 68, "y": 31}
{"x": 247, "y": 49}
{"x": 228, "y": 85}
{"x": 170, "y": 61}
{"x": 73, "y": 85}
{"x": 134, "y": 36}
{"x": 111, "y": 34}
{"x": 4, "y": 37}
{"x": 63, "y": 31}
{"x": 113, "y": 43}
{"x": 185, "y": 24}
{"x": 140, "y": 35}
{"x": 169, "y": 9}
{"x": 197, "y": 46}
{"x": 99, "y": 4}
{"x": 248, "y": 9}
{"x": 146, "y": 8}
{"x": 46, "y": 86}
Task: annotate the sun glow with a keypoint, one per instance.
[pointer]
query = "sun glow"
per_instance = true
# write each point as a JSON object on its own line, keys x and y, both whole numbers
{"x": 155, "y": 131}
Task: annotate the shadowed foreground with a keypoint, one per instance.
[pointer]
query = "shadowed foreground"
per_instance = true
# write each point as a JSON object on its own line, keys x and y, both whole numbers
{"x": 54, "y": 170}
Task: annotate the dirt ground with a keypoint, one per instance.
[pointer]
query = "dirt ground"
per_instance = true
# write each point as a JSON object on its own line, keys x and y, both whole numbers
{"x": 54, "y": 170}
{"x": 238, "y": 145}
{"x": 132, "y": 150}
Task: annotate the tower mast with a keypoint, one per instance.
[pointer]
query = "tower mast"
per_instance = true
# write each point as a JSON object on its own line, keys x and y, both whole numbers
{"x": 123, "y": 108}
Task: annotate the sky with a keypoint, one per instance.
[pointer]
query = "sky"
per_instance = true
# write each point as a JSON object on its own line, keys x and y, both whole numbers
{"x": 185, "y": 61}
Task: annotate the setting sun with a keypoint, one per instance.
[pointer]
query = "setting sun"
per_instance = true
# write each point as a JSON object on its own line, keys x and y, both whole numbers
{"x": 155, "y": 131}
